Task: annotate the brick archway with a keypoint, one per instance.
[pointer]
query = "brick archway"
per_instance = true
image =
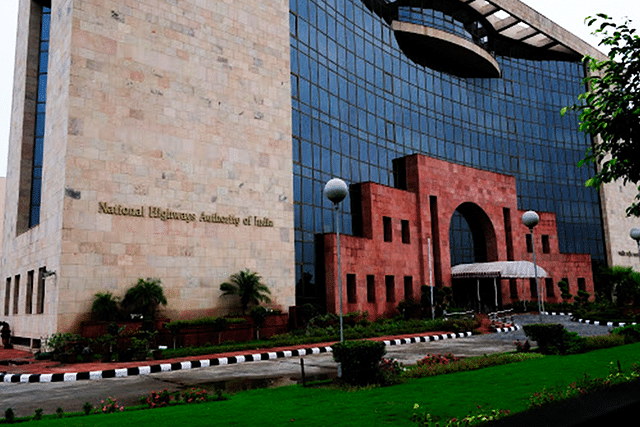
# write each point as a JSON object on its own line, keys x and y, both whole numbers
{"x": 482, "y": 229}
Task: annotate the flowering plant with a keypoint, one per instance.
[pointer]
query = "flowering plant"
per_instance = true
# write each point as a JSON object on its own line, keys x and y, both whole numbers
{"x": 522, "y": 348}
{"x": 437, "y": 359}
{"x": 481, "y": 417}
{"x": 390, "y": 369}
{"x": 111, "y": 405}
{"x": 194, "y": 395}
{"x": 157, "y": 399}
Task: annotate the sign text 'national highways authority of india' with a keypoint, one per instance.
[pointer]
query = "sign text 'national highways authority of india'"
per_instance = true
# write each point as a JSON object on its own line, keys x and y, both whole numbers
{"x": 169, "y": 215}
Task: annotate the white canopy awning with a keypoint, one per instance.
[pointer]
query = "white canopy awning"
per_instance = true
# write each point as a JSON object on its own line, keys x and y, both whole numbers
{"x": 499, "y": 269}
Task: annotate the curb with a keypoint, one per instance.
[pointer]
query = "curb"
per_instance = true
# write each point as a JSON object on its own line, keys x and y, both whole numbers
{"x": 556, "y": 313}
{"x": 591, "y": 322}
{"x": 509, "y": 329}
{"x": 599, "y": 323}
{"x": 202, "y": 363}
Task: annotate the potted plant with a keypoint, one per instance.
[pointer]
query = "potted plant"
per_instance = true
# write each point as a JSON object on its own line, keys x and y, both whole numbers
{"x": 144, "y": 298}
{"x": 249, "y": 287}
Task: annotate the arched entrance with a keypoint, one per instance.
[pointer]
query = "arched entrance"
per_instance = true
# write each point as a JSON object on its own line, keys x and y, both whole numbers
{"x": 472, "y": 239}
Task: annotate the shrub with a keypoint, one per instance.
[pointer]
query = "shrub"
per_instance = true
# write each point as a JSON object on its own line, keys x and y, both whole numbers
{"x": 249, "y": 287}
{"x": 602, "y": 341}
{"x": 554, "y": 339}
{"x": 59, "y": 341}
{"x": 390, "y": 370}
{"x": 105, "y": 306}
{"x": 37, "y": 414}
{"x": 564, "y": 290}
{"x": 157, "y": 400}
{"x": 522, "y": 348}
{"x": 87, "y": 408}
{"x": 630, "y": 333}
{"x": 437, "y": 359}
{"x": 194, "y": 395}
{"x": 144, "y": 298}
{"x": 111, "y": 405}
{"x": 360, "y": 361}
{"x": 409, "y": 309}
{"x": 9, "y": 415}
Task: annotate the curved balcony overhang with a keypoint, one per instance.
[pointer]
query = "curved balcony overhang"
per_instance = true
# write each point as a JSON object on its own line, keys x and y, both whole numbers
{"x": 443, "y": 51}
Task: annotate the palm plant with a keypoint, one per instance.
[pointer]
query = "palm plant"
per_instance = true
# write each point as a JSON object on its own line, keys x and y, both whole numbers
{"x": 105, "y": 306}
{"x": 248, "y": 286}
{"x": 144, "y": 297}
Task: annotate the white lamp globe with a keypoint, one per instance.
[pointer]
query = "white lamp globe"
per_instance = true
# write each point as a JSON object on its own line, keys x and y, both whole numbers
{"x": 530, "y": 219}
{"x": 336, "y": 190}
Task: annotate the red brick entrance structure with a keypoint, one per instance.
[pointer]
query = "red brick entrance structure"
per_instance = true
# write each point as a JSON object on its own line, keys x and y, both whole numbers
{"x": 397, "y": 230}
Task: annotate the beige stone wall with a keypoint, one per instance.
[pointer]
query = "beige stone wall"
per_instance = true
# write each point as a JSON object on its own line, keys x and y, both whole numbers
{"x": 622, "y": 249}
{"x": 39, "y": 246}
{"x": 182, "y": 106}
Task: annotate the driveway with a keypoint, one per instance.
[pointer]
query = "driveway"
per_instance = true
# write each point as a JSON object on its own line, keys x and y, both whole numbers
{"x": 24, "y": 398}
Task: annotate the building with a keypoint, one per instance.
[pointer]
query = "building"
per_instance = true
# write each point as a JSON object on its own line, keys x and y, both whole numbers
{"x": 189, "y": 140}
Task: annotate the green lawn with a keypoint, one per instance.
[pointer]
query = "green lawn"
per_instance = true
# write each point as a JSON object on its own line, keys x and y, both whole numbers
{"x": 445, "y": 396}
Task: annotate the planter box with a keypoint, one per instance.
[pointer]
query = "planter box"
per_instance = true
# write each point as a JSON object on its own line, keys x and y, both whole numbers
{"x": 96, "y": 328}
{"x": 198, "y": 336}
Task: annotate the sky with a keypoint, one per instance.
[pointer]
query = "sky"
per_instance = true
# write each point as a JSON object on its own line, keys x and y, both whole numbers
{"x": 569, "y": 14}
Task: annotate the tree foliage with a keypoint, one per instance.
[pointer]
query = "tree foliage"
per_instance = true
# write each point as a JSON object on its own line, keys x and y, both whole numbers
{"x": 248, "y": 286}
{"x": 105, "y": 306}
{"x": 620, "y": 285}
{"x": 144, "y": 297}
{"x": 610, "y": 109}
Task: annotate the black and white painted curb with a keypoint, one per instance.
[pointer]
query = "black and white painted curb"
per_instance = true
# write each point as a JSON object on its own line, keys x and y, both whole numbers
{"x": 592, "y": 322}
{"x": 177, "y": 366}
{"x": 611, "y": 324}
{"x": 555, "y": 313}
{"x": 509, "y": 329}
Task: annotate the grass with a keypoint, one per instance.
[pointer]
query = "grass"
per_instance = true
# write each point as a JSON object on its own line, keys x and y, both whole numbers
{"x": 445, "y": 396}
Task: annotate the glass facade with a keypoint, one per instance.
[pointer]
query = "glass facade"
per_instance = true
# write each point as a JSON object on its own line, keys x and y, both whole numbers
{"x": 41, "y": 104}
{"x": 358, "y": 103}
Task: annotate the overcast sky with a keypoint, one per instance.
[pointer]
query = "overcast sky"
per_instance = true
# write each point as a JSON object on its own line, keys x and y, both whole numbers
{"x": 569, "y": 14}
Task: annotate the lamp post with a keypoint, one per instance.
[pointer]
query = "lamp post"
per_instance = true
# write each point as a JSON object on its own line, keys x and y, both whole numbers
{"x": 635, "y": 235}
{"x": 336, "y": 190}
{"x": 530, "y": 219}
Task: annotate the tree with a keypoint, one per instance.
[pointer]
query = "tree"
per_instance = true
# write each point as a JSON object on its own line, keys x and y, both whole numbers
{"x": 144, "y": 297}
{"x": 248, "y": 286}
{"x": 610, "y": 109}
{"x": 620, "y": 285}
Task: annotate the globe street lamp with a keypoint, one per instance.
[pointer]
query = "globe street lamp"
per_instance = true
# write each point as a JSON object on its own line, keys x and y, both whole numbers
{"x": 530, "y": 219}
{"x": 336, "y": 190}
{"x": 635, "y": 235}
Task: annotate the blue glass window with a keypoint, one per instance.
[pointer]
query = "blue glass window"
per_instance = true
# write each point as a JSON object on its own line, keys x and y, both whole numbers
{"x": 38, "y": 145}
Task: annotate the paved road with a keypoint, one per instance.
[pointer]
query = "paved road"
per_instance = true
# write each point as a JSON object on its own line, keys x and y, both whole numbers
{"x": 25, "y": 397}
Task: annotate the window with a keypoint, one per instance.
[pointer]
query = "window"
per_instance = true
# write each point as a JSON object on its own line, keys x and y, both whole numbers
{"x": 7, "y": 296}
{"x": 40, "y": 300}
{"x": 408, "y": 288}
{"x": 351, "y": 289}
{"x": 386, "y": 224}
{"x": 371, "y": 288}
{"x": 34, "y": 114}
{"x": 29, "y": 294}
{"x": 548, "y": 283}
{"x": 513, "y": 288}
{"x": 406, "y": 236}
{"x": 582, "y": 284}
{"x": 390, "y": 286}
{"x": 529, "y": 244}
{"x": 16, "y": 293}
{"x": 533, "y": 286}
{"x": 545, "y": 244}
